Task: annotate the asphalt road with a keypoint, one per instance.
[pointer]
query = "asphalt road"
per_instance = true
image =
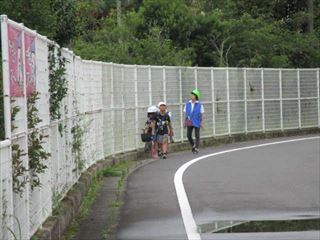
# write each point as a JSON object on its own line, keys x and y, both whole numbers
{"x": 271, "y": 182}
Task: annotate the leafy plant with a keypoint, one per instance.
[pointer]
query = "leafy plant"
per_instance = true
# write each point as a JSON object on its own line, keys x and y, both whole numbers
{"x": 4, "y": 217}
{"x": 37, "y": 153}
{"x": 4, "y": 201}
{"x": 19, "y": 177}
{"x": 58, "y": 84}
{"x": 18, "y": 169}
{"x": 78, "y": 131}
{"x": 19, "y": 228}
{"x": 14, "y": 112}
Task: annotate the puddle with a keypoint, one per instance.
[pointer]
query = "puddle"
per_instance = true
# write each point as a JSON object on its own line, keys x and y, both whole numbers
{"x": 270, "y": 226}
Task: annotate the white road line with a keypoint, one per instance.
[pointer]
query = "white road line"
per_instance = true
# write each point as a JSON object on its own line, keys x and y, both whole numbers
{"x": 186, "y": 212}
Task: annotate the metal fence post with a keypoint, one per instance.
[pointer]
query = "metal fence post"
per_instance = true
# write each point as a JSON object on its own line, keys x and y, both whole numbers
{"x": 318, "y": 86}
{"x": 196, "y": 77}
{"x": 245, "y": 102}
{"x": 150, "y": 85}
{"x": 280, "y": 89}
{"x": 299, "y": 96}
{"x": 123, "y": 109}
{"x": 262, "y": 99}
{"x": 181, "y": 104}
{"x": 7, "y": 117}
{"x": 136, "y": 103}
{"x": 112, "y": 110}
{"x": 213, "y": 104}
{"x": 228, "y": 101}
{"x": 5, "y": 75}
{"x": 92, "y": 134}
{"x": 25, "y": 129}
{"x": 164, "y": 84}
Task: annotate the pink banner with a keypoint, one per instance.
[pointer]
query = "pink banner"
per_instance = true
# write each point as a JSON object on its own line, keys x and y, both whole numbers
{"x": 15, "y": 61}
{"x": 30, "y": 63}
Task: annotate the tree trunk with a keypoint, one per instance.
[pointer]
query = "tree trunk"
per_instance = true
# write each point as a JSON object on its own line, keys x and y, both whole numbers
{"x": 119, "y": 12}
{"x": 310, "y": 15}
{"x": 223, "y": 57}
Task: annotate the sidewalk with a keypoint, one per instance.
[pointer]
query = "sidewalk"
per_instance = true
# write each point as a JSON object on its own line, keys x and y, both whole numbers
{"x": 102, "y": 213}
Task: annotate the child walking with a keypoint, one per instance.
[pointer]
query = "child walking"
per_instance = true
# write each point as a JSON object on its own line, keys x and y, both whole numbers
{"x": 150, "y": 132}
{"x": 164, "y": 129}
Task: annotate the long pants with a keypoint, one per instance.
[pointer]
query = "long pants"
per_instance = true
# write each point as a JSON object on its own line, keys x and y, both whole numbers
{"x": 197, "y": 133}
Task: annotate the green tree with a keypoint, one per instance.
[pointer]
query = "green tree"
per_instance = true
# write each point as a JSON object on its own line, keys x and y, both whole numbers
{"x": 35, "y": 14}
{"x": 267, "y": 33}
{"x": 55, "y": 19}
{"x": 113, "y": 43}
{"x": 65, "y": 15}
{"x": 174, "y": 19}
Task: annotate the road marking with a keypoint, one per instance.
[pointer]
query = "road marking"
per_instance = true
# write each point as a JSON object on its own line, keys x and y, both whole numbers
{"x": 186, "y": 212}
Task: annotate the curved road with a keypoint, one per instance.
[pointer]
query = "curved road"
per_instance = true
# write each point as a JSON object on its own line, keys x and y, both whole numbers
{"x": 278, "y": 181}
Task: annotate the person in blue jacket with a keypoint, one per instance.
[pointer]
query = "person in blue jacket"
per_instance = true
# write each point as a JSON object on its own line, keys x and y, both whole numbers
{"x": 193, "y": 115}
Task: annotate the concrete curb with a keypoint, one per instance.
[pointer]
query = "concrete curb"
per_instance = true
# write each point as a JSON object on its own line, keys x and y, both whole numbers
{"x": 54, "y": 227}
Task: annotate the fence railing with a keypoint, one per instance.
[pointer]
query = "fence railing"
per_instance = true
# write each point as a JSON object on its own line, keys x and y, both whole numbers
{"x": 109, "y": 102}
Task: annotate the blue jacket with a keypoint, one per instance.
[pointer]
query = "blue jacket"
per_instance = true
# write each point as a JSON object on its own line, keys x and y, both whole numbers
{"x": 195, "y": 116}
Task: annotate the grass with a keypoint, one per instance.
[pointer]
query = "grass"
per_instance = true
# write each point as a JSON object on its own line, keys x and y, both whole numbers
{"x": 116, "y": 204}
{"x": 118, "y": 170}
{"x": 112, "y": 173}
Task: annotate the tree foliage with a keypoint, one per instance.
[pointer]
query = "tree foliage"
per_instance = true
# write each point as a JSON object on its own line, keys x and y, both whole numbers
{"x": 266, "y": 33}
{"x": 52, "y": 18}
{"x": 240, "y": 33}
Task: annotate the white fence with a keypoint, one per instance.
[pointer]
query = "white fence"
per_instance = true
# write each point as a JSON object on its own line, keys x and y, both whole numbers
{"x": 110, "y": 100}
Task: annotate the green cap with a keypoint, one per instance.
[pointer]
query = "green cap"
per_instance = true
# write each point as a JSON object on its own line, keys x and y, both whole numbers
{"x": 196, "y": 92}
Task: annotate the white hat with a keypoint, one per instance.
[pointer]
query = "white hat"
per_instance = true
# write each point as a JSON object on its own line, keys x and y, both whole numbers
{"x": 152, "y": 109}
{"x": 161, "y": 103}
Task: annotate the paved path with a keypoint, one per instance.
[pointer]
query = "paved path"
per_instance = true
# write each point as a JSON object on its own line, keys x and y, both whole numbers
{"x": 94, "y": 226}
{"x": 271, "y": 182}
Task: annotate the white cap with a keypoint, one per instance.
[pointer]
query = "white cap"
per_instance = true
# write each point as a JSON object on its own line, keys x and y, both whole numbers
{"x": 152, "y": 109}
{"x": 161, "y": 103}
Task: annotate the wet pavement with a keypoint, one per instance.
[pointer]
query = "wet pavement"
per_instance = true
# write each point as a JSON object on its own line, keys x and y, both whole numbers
{"x": 272, "y": 182}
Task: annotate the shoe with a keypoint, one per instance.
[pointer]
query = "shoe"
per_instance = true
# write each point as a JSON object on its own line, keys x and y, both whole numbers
{"x": 195, "y": 151}
{"x": 193, "y": 148}
{"x": 160, "y": 154}
{"x": 164, "y": 156}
